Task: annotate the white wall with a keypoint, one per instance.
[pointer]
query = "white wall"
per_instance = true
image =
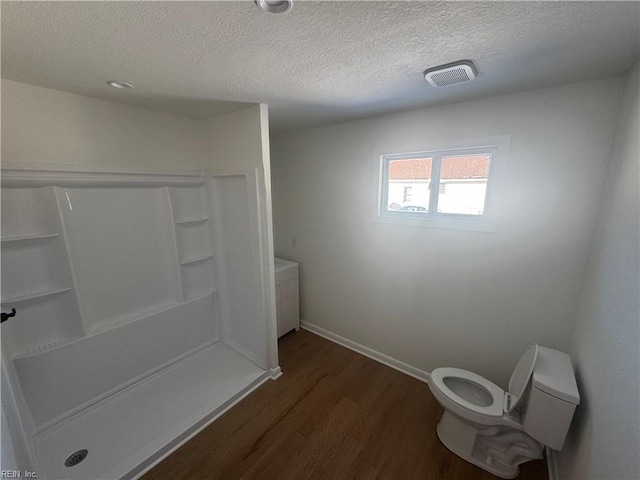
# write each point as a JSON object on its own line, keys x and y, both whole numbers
{"x": 605, "y": 347}
{"x": 47, "y": 127}
{"x": 433, "y": 297}
{"x": 44, "y": 127}
{"x": 234, "y": 140}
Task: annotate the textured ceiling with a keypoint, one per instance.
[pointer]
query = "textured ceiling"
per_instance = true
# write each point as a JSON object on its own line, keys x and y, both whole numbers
{"x": 322, "y": 62}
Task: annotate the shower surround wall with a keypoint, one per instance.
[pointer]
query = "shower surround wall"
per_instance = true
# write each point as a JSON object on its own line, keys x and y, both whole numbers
{"x": 143, "y": 298}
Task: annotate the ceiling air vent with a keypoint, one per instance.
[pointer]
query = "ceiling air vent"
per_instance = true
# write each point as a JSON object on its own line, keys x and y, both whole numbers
{"x": 450, "y": 74}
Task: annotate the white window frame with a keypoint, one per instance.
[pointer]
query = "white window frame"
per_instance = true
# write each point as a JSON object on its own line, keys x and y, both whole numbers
{"x": 487, "y": 221}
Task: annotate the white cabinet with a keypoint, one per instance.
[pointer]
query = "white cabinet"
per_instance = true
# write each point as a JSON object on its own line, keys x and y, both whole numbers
{"x": 287, "y": 296}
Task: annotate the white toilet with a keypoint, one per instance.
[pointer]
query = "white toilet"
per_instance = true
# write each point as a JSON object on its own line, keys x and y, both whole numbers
{"x": 498, "y": 430}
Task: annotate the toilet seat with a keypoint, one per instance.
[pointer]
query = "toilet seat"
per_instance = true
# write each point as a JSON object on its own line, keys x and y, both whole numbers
{"x": 495, "y": 409}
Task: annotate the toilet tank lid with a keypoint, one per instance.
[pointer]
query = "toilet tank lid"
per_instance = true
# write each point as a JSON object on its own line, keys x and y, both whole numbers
{"x": 553, "y": 374}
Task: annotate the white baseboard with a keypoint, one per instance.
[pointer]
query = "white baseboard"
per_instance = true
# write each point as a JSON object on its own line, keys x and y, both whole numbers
{"x": 369, "y": 352}
{"x": 552, "y": 466}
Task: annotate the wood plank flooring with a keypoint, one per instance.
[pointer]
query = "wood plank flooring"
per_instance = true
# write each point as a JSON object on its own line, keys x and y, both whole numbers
{"x": 333, "y": 415}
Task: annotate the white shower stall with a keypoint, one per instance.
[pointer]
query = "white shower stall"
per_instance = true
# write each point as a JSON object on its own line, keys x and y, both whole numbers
{"x": 139, "y": 315}
{"x": 144, "y": 304}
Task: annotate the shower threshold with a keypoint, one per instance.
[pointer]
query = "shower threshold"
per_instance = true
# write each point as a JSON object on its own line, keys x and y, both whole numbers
{"x": 129, "y": 432}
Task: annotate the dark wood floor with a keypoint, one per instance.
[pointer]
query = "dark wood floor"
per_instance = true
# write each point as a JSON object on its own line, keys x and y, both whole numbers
{"x": 334, "y": 414}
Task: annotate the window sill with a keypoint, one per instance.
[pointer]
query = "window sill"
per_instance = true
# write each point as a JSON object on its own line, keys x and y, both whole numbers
{"x": 468, "y": 223}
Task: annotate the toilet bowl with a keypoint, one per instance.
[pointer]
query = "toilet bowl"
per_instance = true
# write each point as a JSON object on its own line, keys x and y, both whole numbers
{"x": 468, "y": 394}
{"x": 498, "y": 430}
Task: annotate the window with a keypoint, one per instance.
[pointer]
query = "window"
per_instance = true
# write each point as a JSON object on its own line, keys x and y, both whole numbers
{"x": 463, "y": 183}
{"x": 449, "y": 188}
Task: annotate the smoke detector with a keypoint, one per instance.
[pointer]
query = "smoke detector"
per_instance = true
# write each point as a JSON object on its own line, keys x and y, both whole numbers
{"x": 450, "y": 74}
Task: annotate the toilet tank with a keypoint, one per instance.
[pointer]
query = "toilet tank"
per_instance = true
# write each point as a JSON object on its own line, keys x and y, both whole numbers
{"x": 553, "y": 397}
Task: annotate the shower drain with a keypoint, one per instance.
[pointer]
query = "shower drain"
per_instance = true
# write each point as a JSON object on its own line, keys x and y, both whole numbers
{"x": 76, "y": 457}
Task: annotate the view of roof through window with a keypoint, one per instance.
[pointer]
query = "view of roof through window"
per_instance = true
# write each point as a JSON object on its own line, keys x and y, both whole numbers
{"x": 462, "y": 184}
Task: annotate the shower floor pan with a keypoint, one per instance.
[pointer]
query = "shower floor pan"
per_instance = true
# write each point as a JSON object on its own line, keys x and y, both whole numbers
{"x": 132, "y": 430}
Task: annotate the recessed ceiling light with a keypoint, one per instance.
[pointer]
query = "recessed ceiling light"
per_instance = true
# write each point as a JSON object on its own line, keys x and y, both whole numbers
{"x": 275, "y": 6}
{"x": 120, "y": 85}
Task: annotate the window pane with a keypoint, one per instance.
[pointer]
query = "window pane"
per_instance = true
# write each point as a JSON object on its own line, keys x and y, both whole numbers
{"x": 408, "y": 188}
{"x": 463, "y": 184}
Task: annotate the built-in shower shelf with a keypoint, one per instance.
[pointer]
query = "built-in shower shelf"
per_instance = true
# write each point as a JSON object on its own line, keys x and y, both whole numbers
{"x": 203, "y": 294}
{"x": 45, "y": 347}
{"x": 192, "y": 220}
{"x": 198, "y": 259}
{"x": 23, "y": 238}
{"x": 156, "y": 310}
{"x": 116, "y": 323}
{"x": 32, "y": 296}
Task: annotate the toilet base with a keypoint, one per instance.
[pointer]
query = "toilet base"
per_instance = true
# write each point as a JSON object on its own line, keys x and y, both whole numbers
{"x": 498, "y": 449}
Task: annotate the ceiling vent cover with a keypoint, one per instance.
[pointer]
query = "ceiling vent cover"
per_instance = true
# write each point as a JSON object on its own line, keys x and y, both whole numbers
{"x": 450, "y": 74}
